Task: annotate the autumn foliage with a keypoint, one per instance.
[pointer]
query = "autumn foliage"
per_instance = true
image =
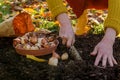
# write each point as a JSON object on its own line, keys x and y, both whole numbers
{"x": 22, "y": 23}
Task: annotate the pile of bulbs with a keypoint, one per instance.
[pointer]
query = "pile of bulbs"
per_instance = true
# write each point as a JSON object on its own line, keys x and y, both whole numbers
{"x": 34, "y": 41}
{"x": 39, "y": 40}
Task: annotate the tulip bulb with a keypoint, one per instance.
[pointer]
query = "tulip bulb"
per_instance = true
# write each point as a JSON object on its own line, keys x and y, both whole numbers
{"x": 53, "y": 61}
{"x": 34, "y": 39}
{"x": 34, "y": 48}
{"x": 16, "y": 41}
{"x": 64, "y": 56}
{"x": 22, "y": 40}
{"x": 27, "y": 46}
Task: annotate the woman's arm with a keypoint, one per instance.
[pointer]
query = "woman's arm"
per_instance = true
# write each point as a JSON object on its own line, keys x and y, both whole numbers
{"x": 66, "y": 31}
{"x": 56, "y": 7}
{"x": 104, "y": 49}
{"x": 59, "y": 12}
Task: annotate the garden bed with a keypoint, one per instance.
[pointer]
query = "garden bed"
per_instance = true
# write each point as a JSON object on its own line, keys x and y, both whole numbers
{"x": 16, "y": 67}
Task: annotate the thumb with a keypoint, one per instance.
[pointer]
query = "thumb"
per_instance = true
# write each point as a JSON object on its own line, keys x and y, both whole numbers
{"x": 69, "y": 42}
{"x": 94, "y": 51}
{"x": 64, "y": 40}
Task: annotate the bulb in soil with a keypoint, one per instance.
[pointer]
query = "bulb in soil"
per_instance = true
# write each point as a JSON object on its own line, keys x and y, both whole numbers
{"x": 53, "y": 61}
{"x": 64, "y": 56}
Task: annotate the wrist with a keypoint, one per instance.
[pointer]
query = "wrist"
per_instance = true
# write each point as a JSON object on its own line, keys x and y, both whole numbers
{"x": 109, "y": 36}
{"x": 64, "y": 20}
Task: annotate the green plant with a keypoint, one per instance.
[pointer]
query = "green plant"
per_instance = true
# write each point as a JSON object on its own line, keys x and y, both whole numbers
{"x": 4, "y": 10}
{"x": 97, "y": 29}
{"x": 50, "y": 25}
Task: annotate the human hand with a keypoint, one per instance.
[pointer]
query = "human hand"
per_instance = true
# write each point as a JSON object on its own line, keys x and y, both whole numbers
{"x": 104, "y": 52}
{"x": 66, "y": 31}
{"x": 104, "y": 49}
{"x": 67, "y": 36}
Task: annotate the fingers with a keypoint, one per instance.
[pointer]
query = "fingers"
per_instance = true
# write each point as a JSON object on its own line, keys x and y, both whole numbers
{"x": 114, "y": 61}
{"x": 64, "y": 40}
{"x": 104, "y": 61}
{"x": 68, "y": 42}
{"x": 110, "y": 61}
{"x": 105, "y": 57}
{"x": 97, "y": 60}
{"x": 67, "y": 35}
{"x": 94, "y": 51}
{"x": 73, "y": 41}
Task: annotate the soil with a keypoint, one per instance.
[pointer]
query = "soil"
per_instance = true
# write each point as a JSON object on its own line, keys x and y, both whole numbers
{"x": 17, "y": 67}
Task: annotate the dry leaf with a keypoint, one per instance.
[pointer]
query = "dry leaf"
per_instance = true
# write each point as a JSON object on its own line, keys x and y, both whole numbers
{"x": 22, "y": 24}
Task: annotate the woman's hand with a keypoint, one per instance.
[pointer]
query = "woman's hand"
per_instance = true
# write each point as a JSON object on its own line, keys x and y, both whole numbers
{"x": 104, "y": 49}
{"x": 66, "y": 31}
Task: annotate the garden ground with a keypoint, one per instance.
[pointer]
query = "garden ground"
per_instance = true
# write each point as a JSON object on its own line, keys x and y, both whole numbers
{"x": 16, "y": 67}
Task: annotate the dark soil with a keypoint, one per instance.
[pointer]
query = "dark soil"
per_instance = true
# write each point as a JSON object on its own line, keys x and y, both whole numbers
{"x": 16, "y": 67}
